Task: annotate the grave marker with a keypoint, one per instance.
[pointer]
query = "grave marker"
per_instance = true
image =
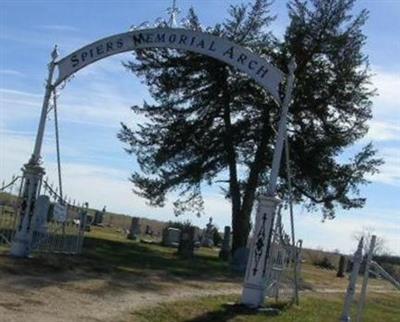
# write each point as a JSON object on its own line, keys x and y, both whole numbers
{"x": 134, "y": 231}
{"x": 186, "y": 244}
{"x": 226, "y": 244}
{"x": 171, "y": 237}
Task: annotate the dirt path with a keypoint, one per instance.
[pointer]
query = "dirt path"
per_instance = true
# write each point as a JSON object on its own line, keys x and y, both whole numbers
{"x": 60, "y": 298}
{"x": 69, "y": 297}
{"x": 37, "y": 291}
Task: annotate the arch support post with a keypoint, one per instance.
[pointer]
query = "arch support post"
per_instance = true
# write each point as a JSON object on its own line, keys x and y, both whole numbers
{"x": 351, "y": 288}
{"x": 258, "y": 266}
{"x": 255, "y": 280}
{"x": 32, "y": 177}
{"x": 363, "y": 294}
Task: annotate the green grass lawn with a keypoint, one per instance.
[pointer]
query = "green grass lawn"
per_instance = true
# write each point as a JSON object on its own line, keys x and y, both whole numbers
{"x": 379, "y": 308}
{"x": 117, "y": 251}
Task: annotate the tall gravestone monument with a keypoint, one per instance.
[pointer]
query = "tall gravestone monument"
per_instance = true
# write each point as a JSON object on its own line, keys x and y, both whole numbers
{"x": 186, "y": 244}
{"x": 208, "y": 235}
{"x": 342, "y": 266}
{"x": 226, "y": 244}
{"x": 134, "y": 231}
{"x": 99, "y": 216}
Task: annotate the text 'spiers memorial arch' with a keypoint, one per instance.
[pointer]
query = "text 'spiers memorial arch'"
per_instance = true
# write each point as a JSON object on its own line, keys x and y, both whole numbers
{"x": 222, "y": 49}
{"x": 256, "y": 67}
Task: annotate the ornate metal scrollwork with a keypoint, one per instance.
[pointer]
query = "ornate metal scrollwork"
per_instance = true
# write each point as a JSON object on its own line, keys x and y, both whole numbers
{"x": 259, "y": 245}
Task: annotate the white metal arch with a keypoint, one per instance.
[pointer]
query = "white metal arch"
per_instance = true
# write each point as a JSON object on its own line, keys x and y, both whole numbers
{"x": 267, "y": 75}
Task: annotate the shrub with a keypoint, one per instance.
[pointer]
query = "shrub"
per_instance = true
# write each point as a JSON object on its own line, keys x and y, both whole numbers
{"x": 324, "y": 262}
{"x": 217, "y": 237}
{"x": 178, "y": 224}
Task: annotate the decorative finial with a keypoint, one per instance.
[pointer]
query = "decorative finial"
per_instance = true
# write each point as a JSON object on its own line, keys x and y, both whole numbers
{"x": 173, "y": 12}
{"x": 54, "y": 53}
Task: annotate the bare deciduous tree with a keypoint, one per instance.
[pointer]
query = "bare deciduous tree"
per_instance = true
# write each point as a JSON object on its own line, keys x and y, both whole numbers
{"x": 367, "y": 232}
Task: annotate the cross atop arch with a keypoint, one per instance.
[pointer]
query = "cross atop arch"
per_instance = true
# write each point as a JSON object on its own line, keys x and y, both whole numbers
{"x": 173, "y": 12}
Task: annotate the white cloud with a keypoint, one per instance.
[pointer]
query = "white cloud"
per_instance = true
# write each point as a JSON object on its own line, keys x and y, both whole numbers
{"x": 390, "y": 170}
{"x": 58, "y": 27}
{"x": 105, "y": 185}
{"x": 386, "y": 104}
{"x": 99, "y": 185}
{"x": 98, "y": 102}
{"x": 14, "y": 152}
{"x": 383, "y": 131}
{"x": 11, "y": 72}
{"x": 339, "y": 232}
{"x": 385, "y": 126}
{"x": 18, "y": 106}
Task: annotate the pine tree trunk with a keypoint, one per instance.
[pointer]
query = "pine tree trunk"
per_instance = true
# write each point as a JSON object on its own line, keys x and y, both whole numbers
{"x": 241, "y": 229}
{"x": 239, "y": 235}
{"x": 242, "y": 220}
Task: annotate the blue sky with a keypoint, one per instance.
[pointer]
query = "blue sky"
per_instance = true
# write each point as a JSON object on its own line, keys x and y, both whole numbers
{"x": 95, "y": 167}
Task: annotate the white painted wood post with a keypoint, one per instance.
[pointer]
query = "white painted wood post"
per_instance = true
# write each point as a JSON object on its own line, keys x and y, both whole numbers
{"x": 351, "y": 289}
{"x": 45, "y": 107}
{"x": 363, "y": 294}
{"x": 255, "y": 283}
{"x": 32, "y": 173}
{"x": 385, "y": 274}
{"x": 280, "y": 140}
{"x": 256, "y": 271}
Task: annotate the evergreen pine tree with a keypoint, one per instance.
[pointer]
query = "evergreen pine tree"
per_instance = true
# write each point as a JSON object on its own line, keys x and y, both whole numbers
{"x": 212, "y": 124}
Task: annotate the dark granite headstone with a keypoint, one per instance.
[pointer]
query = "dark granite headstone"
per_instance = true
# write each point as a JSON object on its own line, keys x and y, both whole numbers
{"x": 225, "y": 252}
{"x": 171, "y": 237}
{"x": 98, "y": 218}
{"x": 186, "y": 244}
{"x": 208, "y": 235}
{"x": 134, "y": 231}
{"x": 342, "y": 266}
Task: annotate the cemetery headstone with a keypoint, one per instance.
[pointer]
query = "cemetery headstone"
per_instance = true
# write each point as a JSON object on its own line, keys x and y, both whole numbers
{"x": 98, "y": 216}
{"x": 226, "y": 244}
{"x": 239, "y": 259}
{"x": 41, "y": 214}
{"x": 342, "y": 266}
{"x": 186, "y": 244}
{"x": 208, "y": 236}
{"x": 171, "y": 237}
{"x": 149, "y": 231}
{"x": 83, "y": 218}
{"x": 134, "y": 231}
{"x": 197, "y": 237}
{"x": 89, "y": 222}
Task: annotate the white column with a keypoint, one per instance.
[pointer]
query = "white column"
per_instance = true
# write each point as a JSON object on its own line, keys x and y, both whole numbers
{"x": 256, "y": 271}
{"x": 21, "y": 244}
{"x": 257, "y": 265}
{"x": 45, "y": 107}
{"x": 33, "y": 173}
{"x": 351, "y": 289}
{"x": 280, "y": 139}
{"x": 363, "y": 294}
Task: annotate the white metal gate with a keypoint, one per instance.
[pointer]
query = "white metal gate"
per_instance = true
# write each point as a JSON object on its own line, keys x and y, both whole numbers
{"x": 9, "y": 203}
{"x": 49, "y": 234}
{"x": 284, "y": 259}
